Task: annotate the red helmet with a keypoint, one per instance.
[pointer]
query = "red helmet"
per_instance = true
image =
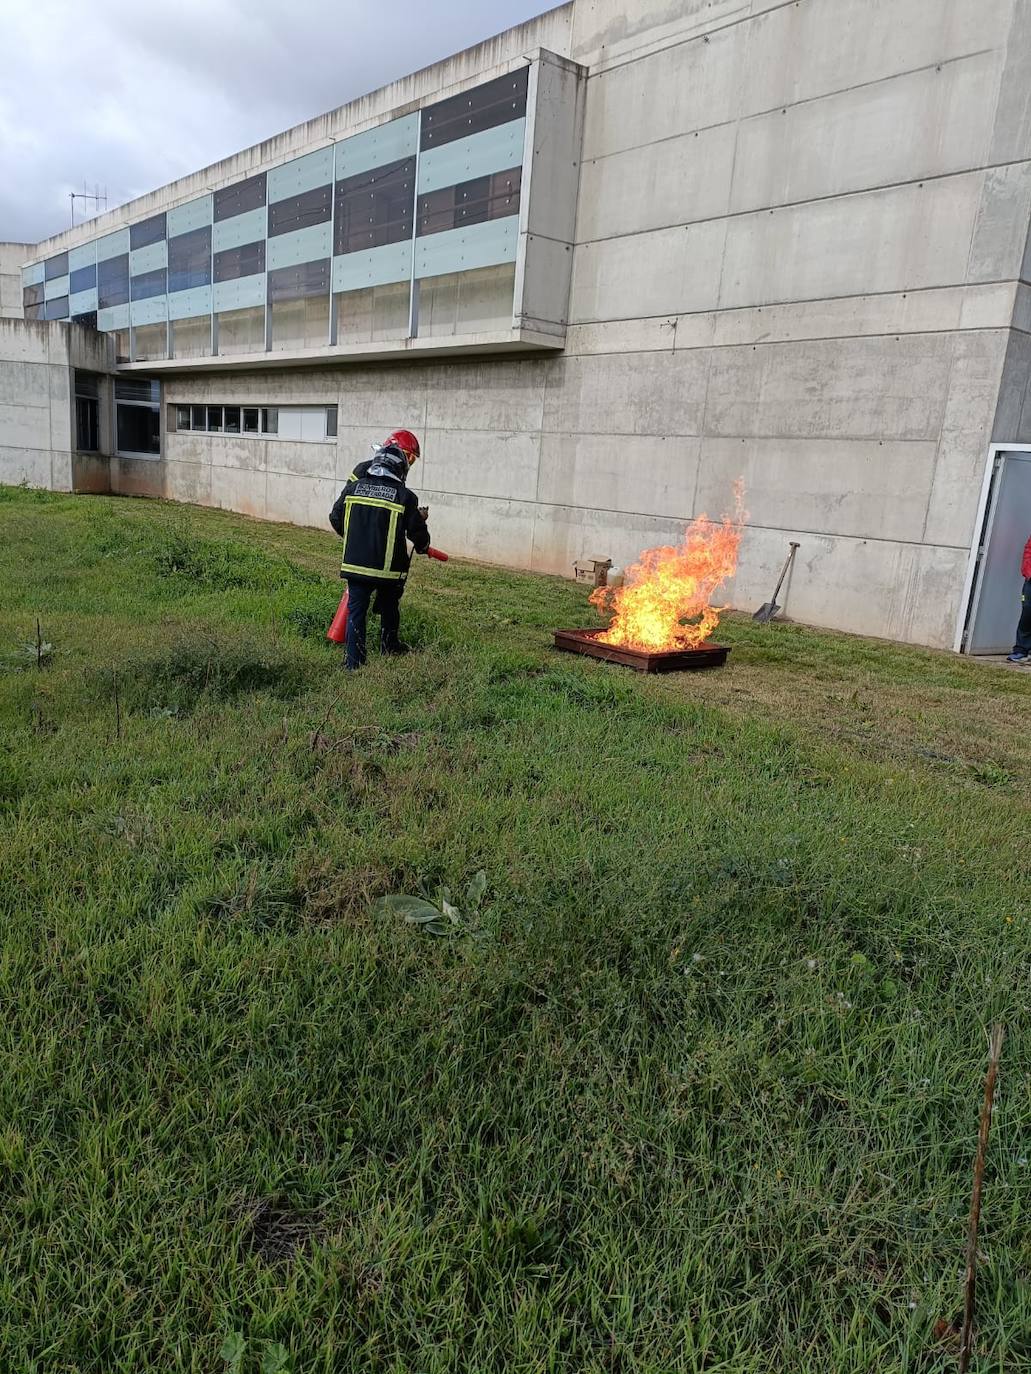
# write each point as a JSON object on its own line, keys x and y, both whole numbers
{"x": 406, "y": 441}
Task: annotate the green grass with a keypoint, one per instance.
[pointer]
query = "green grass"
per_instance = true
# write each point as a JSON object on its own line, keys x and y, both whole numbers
{"x": 696, "y": 1088}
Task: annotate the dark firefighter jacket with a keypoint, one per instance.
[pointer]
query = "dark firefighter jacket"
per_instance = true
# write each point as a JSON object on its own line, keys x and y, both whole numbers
{"x": 376, "y": 515}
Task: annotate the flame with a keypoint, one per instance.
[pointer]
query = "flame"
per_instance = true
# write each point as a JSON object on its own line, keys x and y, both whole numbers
{"x": 665, "y": 602}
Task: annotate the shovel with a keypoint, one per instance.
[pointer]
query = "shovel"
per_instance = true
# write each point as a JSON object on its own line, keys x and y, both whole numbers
{"x": 769, "y": 609}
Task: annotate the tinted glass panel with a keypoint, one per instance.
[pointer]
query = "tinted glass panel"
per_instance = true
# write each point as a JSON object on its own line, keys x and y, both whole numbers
{"x": 232, "y": 420}
{"x": 113, "y": 281}
{"x": 270, "y": 420}
{"x": 472, "y": 202}
{"x": 83, "y": 279}
{"x": 250, "y": 419}
{"x": 200, "y": 417}
{"x": 32, "y": 295}
{"x": 57, "y": 309}
{"x": 300, "y": 212}
{"x": 374, "y": 208}
{"x": 88, "y": 320}
{"x": 189, "y": 260}
{"x": 240, "y": 197}
{"x": 139, "y": 429}
{"x": 240, "y": 262}
{"x": 87, "y": 384}
{"x": 87, "y": 424}
{"x": 295, "y": 283}
{"x": 137, "y": 389}
{"x": 56, "y": 266}
{"x": 484, "y": 107}
{"x": 34, "y": 312}
{"x": 148, "y": 284}
{"x": 331, "y": 422}
{"x": 182, "y": 417}
{"x": 147, "y": 231}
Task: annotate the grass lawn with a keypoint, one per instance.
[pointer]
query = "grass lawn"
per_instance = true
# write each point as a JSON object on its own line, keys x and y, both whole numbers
{"x": 695, "y": 1086}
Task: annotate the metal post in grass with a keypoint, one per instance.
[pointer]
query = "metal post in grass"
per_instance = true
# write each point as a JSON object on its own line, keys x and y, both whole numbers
{"x": 966, "y": 1340}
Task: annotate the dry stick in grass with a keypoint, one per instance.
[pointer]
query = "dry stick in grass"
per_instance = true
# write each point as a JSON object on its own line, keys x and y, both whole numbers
{"x": 118, "y": 707}
{"x": 966, "y": 1340}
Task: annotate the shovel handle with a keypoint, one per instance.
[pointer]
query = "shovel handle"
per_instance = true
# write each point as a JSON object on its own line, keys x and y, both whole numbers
{"x": 784, "y": 571}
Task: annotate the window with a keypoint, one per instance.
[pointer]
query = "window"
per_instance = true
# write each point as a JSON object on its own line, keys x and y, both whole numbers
{"x": 241, "y": 331}
{"x": 471, "y": 202}
{"x": 191, "y": 338}
{"x": 299, "y": 305}
{"x": 113, "y": 282}
{"x": 189, "y": 260}
{"x": 56, "y": 308}
{"x": 149, "y": 284}
{"x": 300, "y": 211}
{"x": 375, "y": 207}
{"x": 88, "y": 319}
{"x": 83, "y": 279}
{"x": 56, "y": 266}
{"x": 138, "y": 417}
{"x": 149, "y": 342}
{"x": 147, "y": 231}
{"x": 239, "y": 198}
{"x": 244, "y": 261}
{"x": 32, "y": 295}
{"x": 87, "y": 412}
{"x": 475, "y": 302}
{"x": 373, "y": 313}
{"x": 308, "y": 424}
{"x": 484, "y": 107}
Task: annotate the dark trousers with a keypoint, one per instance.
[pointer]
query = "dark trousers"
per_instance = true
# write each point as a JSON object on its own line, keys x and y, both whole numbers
{"x": 1023, "y": 644}
{"x": 388, "y": 605}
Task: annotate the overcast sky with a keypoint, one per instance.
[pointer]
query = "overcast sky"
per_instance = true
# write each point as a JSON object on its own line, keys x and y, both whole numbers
{"x": 133, "y": 95}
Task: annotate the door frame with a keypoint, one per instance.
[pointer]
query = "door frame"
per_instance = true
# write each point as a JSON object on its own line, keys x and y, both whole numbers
{"x": 976, "y": 545}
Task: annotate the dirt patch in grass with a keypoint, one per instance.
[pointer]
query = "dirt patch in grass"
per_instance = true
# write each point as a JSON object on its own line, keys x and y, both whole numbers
{"x": 275, "y": 1232}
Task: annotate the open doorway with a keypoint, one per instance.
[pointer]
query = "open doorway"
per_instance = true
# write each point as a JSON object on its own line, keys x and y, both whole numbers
{"x": 991, "y": 602}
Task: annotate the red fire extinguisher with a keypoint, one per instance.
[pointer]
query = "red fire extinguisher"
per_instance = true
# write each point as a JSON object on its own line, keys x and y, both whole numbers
{"x": 337, "y": 631}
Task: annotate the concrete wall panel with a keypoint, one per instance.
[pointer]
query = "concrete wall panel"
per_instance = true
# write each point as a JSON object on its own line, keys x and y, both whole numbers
{"x": 302, "y": 459}
{"x": 879, "y": 388}
{"x": 664, "y": 272}
{"x": 637, "y": 393}
{"x": 487, "y": 395}
{"x": 492, "y": 530}
{"x": 674, "y": 182}
{"x": 30, "y": 466}
{"x": 850, "y": 141}
{"x": 903, "y": 238}
{"x": 966, "y": 432}
{"x": 867, "y": 488}
{"x": 494, "y": 463}
{"x": 299, "y": 500}
{"x": 642, "y": 474}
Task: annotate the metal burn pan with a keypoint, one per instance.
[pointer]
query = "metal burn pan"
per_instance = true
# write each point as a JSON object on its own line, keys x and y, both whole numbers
{"x": 643, "y": 661}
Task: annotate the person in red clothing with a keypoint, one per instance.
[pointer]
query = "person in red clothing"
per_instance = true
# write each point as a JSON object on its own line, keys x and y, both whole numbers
{"x": 1022, "y": 648}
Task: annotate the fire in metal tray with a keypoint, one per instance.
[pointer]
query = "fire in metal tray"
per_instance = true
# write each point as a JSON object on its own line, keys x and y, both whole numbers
{"x": 662, "y": 615}
{"x": 588, "y": 642}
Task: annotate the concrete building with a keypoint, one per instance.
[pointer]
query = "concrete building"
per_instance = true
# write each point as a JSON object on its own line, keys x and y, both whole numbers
{"x": 604, "y": 264}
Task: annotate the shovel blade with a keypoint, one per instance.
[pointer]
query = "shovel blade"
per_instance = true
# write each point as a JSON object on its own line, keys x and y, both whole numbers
{"x": 766, "y": 612}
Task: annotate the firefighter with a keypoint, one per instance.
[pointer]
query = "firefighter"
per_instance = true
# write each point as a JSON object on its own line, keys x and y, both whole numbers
{"x": 376, "y": 515}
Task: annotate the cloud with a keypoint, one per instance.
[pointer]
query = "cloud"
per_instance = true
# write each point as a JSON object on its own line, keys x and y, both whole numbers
{"x": 132, "y": 96}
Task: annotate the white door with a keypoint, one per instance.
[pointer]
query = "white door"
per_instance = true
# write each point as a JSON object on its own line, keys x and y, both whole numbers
{"x": 995, "y": 600}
